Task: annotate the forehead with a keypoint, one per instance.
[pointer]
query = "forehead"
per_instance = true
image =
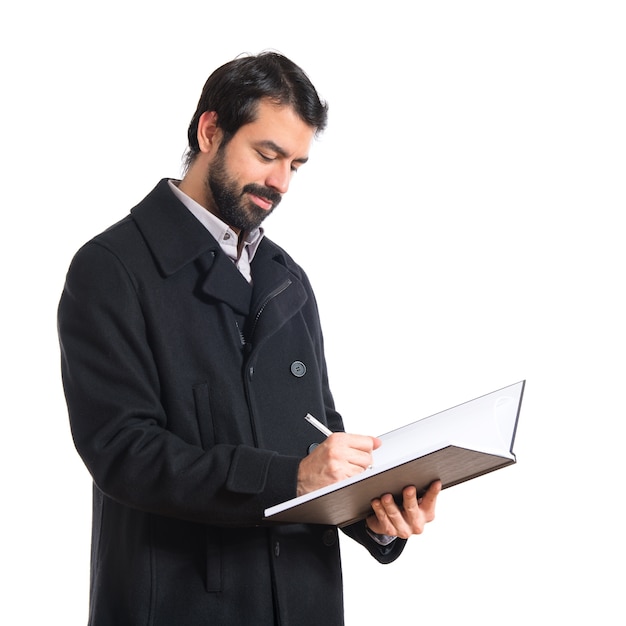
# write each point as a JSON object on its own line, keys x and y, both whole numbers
{"x": 281, "y": 125}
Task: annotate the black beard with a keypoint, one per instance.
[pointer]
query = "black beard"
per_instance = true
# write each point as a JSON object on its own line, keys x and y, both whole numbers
{"x": 231, "y": 204}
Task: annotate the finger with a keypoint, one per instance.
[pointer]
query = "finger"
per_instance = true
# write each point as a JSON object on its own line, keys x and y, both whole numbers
{"x": 415, "y": 514}
{"x": 361, "y": 460}
{"x": 429, "y": 500}
{"x": 353, "y": 449}
{"x": 410, "y": 502}
{"x": 433, "y": 491}
{"x": 384, "y": 526}
{"x": 395, "y": 518}
{"x": 358, "y": 442}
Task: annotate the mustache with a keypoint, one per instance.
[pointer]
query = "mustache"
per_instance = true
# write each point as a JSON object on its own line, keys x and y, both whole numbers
{"x": 264, "y": 192}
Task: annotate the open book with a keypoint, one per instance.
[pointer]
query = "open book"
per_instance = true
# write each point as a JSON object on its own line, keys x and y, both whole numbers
{"x": 454, "y": 446}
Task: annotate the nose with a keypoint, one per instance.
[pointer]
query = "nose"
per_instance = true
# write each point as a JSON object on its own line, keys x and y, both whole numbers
{"x": 279, "y": 177}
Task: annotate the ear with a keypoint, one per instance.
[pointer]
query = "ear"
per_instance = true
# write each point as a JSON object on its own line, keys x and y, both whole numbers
{"x": 208, "y": 132}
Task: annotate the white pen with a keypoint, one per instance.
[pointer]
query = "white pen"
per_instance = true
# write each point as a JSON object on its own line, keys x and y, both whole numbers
{"x": 323, "y": 429}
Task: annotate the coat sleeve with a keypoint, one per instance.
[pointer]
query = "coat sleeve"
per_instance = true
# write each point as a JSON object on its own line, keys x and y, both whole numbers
{"x": 118, "y": 422}
{"x": 383, "y": 554}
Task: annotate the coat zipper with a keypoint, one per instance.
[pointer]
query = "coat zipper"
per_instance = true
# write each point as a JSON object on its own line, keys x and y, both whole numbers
{"x": 267, "y": 300}
{"x": 248, "y": 347}
{"x": 271, "y": 296}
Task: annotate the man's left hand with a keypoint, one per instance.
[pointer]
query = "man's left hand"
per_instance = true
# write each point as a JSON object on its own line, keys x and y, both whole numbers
{"x": 407, "y": 519}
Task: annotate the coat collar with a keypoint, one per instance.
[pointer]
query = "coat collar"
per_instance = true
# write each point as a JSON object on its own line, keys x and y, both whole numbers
{"x": 173, "y": 234}
{"x": 176, "y": 238}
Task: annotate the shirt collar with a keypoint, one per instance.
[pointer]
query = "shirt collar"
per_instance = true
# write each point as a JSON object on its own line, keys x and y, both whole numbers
{"x": 222, "y": 232}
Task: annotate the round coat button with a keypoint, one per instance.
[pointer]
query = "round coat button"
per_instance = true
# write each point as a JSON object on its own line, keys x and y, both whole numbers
{"x": 312, "y": 447}
{"x": 298, "y": 369}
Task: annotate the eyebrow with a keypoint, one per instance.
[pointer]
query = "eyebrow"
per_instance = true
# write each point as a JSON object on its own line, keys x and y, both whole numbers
{"x": 270, "y": 145}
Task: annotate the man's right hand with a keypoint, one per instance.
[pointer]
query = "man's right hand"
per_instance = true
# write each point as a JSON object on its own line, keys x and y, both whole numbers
{"x": 340, "y": 456}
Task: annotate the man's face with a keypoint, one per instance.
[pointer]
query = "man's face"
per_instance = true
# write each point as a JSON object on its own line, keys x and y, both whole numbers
{"x": 248, "y": 176}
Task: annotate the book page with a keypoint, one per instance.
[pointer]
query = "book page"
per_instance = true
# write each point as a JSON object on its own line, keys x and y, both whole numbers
{"x": 485, "y": 424}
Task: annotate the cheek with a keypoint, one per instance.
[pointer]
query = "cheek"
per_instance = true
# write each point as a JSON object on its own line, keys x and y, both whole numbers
{"x": 245, "y": 171}
{"x": 243, "y": 164}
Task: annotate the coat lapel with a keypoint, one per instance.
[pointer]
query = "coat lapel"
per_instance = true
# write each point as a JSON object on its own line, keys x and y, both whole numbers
{"x": 176, "y": 238}
{"x": 223, "y": 281}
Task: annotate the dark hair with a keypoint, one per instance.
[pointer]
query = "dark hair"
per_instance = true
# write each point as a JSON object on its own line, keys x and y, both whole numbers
{"x": 233, "y": 91}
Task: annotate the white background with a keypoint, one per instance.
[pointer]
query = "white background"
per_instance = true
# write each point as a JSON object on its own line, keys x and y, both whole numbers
{"x": 461, "y": 221}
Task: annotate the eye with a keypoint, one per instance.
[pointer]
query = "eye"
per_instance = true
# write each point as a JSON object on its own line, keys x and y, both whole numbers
{"x": 265, "y": 158}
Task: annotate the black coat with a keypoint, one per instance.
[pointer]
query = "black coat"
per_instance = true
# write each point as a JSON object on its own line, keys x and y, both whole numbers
{"x": 186, "y": 390}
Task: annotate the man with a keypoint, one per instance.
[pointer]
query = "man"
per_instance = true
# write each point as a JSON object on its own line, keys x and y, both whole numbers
{"x": 191, "y": 351}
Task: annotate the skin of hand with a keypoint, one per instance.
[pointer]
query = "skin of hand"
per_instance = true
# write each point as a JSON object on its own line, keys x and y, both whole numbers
{"x": 340, "y": 456}
{"x": 408, "y": 519}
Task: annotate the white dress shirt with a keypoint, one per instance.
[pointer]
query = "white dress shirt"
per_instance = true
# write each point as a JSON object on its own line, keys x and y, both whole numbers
{"x": 223, "y": 233}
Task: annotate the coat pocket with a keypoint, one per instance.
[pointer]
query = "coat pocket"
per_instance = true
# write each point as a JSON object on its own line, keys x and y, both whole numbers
{"x": 203, "y": 415}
